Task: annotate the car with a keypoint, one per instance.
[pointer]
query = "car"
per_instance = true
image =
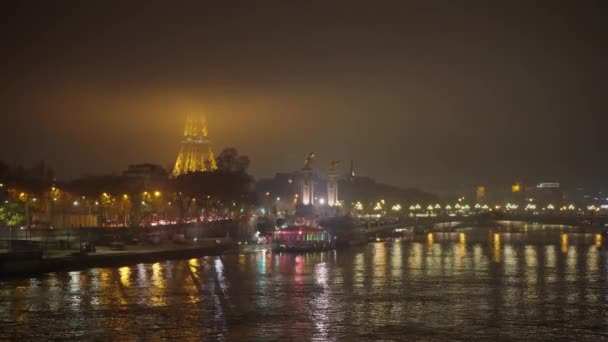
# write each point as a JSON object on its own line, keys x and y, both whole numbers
{"x": 87, "y": 247}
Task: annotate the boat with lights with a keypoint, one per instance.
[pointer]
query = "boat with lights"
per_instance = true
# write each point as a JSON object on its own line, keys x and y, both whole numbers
{"x": 302, "y": 239}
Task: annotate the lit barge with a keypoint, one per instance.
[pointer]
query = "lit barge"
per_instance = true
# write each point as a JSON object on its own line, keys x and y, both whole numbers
{"x": 302, "y": 239}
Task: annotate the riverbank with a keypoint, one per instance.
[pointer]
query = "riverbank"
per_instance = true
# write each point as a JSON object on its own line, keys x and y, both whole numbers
{"x": 33, "y": 263}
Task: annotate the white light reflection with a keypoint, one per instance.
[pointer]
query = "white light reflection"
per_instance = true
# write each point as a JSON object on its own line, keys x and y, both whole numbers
{"x": 531, "y": 265}
{"x": 219, "y": 270}
{"x": 321, "y": 303}
{"x": 358, "y": 273}
{"x": 480, "y": 262}
{"x": 571, "y": 269}
{"x": 75, "y": 290}
{"x": 262, "y": 262}
{"x": 142, "y": 276}
{"x": 415, "y": 260}
{"x": 379, "y": 262}
{"x": 397, "y": 262}
{"x": 510, "y": 261}
{"x": 550, "y": 263}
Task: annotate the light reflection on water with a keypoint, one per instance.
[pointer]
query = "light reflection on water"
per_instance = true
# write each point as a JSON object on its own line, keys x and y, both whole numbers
{"x": 537, "y": 284}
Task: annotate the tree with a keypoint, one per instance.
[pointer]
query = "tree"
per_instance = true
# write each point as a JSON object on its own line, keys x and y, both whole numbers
{"x": 226, "y": 190}
{"x": 224, "y": 186}
{"x": 230, "y": 161}
{"x": 32, "y": 180}
{"x": 11, "y": 214}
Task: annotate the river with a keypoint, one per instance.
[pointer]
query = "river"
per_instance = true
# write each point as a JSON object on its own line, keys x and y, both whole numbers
{"x": 533, "y": 283}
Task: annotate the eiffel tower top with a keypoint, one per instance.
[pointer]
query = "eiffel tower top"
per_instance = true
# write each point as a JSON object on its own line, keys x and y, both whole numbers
{"x": 196, "y": 127}
{"x": 195, "y": 154}
{"x": 196, "y": 130}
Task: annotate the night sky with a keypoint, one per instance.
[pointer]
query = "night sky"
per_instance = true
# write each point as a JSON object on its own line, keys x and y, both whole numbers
{"x": 417, "y": 95}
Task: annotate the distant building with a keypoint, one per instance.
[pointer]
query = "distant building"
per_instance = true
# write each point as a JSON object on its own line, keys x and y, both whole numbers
{"x": 547, "y": 193}
{"x": 307, "y": 195}
{"x": 332, "y": 185}
{"x": 145, "y": 171}
{"x": 288, "y": 191}
{"x": 548, "y": 185}
{"x": 63, "y": 220}
{"x": 480, "y": 194}
{"x": 516, "y": 188}
{"x": 148, "y": 173}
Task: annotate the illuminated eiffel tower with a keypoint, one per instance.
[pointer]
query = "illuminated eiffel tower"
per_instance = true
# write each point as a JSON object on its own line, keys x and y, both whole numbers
{"x": 195, "y": 154}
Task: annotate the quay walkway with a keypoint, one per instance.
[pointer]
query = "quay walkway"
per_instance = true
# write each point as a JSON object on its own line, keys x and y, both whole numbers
{"x": 18, "y": 263}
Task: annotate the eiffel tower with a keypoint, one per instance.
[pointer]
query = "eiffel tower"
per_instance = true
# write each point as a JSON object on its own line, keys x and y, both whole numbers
{"x": 195, "y": 154}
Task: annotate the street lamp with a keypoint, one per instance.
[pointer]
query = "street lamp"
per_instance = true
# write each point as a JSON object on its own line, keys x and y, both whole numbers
{"x": 358, "y": 205}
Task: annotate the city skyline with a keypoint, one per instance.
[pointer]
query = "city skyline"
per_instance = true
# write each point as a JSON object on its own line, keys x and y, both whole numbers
{"x": 418, "y": 96}
{"x": 303, "y": 171}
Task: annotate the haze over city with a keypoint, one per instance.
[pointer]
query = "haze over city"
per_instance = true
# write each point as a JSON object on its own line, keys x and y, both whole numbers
{"x": 422, "y": 95}
{"x": 303, "y": 171}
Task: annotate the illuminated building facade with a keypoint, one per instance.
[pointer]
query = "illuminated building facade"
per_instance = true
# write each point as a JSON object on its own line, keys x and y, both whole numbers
{"x": 307, "y": 181}
{"x": 332, "y": 185}
{"x": 480, "y": 194}
{"x": 516, "y": 188}
{"x": 195, "y": 154}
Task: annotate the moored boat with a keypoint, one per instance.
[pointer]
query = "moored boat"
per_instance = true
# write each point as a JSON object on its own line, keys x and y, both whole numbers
{"x": 302, "y": 239}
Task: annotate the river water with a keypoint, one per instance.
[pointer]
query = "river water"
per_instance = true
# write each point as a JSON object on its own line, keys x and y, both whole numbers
{"x": 534, "y": 283}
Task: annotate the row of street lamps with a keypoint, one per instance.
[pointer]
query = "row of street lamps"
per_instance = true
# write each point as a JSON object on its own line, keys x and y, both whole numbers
{"x": 379, "y": 206}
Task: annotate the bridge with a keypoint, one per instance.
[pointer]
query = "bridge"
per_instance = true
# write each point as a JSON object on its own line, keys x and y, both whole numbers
{"x": 447, "y": 223}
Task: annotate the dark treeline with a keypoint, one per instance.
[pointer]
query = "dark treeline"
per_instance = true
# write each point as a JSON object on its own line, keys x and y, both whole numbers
{"x": 34, "y": 179}
{"x": 130, "y": 200}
